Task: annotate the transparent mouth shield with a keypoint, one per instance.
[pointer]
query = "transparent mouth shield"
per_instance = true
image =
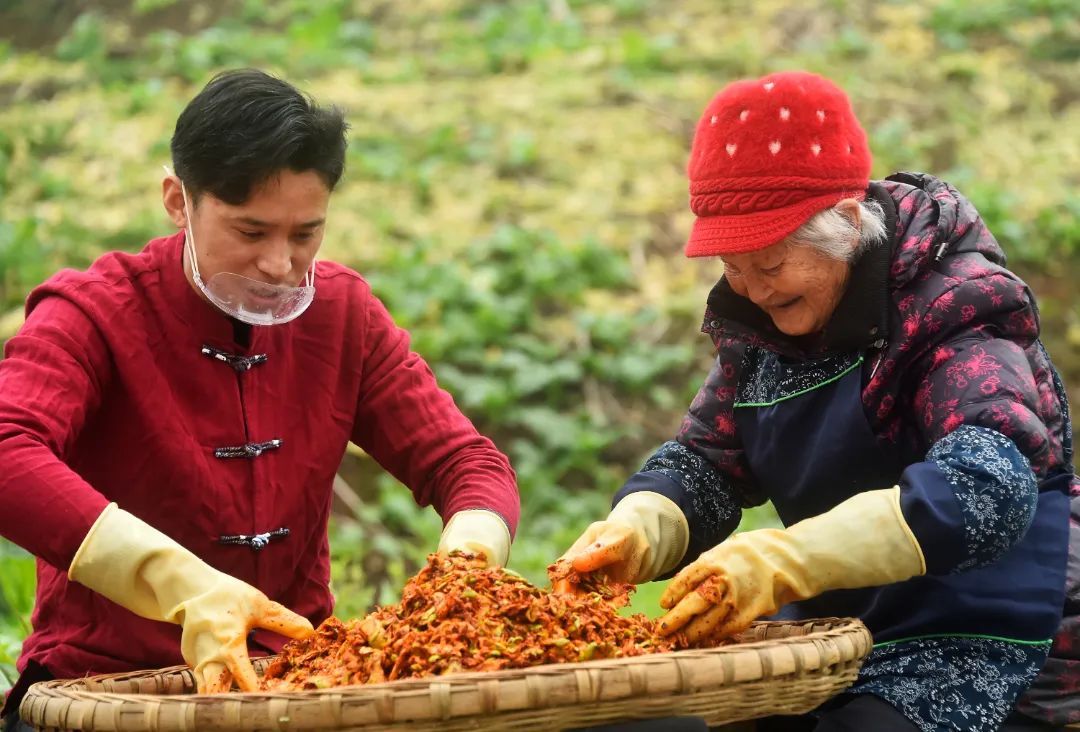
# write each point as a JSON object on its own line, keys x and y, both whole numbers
{"x": 249, "y": 301}
{"x": 254, "y": 302}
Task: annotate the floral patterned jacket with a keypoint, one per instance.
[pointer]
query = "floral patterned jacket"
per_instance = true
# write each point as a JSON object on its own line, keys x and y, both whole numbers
{"x": 954, "y": 364}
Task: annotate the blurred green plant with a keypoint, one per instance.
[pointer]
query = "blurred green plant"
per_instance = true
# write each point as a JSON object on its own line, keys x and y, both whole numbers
{"x": 17, "y": 582}
{"x": 961, "y": 24}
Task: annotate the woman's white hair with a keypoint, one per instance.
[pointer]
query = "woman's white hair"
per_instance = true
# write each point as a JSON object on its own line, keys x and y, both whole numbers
{"x": 830, "y": 232}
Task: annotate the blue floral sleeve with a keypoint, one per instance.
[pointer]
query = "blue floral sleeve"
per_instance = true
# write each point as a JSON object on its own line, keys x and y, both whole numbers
{"x": 970, "y": 501}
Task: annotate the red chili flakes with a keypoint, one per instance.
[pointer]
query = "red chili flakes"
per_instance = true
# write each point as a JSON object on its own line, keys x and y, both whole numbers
{"x": 456, "y": 615}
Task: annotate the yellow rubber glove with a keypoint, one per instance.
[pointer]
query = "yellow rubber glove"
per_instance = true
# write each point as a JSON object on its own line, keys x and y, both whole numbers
{"x": 478, "y": 531}
{"x": 645, "y": 535}
{"x": 862, "y": 542}
{"x": 136, "y": 566}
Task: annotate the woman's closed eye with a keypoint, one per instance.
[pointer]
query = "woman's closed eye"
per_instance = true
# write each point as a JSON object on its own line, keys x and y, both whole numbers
{"x": 770, "y": 271}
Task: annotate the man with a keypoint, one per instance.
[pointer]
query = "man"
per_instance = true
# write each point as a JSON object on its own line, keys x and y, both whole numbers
{"x": 171, "y": 421}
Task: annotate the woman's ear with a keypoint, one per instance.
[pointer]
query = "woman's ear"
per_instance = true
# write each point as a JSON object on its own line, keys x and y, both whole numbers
{"x": 172, "y": 197}
{"x": 850, "y": 209}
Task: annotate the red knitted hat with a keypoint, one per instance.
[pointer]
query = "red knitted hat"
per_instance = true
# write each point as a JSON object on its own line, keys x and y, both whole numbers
{"x": 768, "y": 154}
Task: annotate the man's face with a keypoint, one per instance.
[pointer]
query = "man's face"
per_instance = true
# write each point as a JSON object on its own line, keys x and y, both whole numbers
{"x": 272, "y": 237}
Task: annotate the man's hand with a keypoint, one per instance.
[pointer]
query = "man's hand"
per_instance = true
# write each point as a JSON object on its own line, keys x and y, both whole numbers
{"x": 216, "y": 625}
{"x": 480, "y": 532}
{"x": 138, "y": 567}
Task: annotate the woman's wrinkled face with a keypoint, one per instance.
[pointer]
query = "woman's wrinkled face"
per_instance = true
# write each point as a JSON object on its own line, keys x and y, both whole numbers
{"x": 798, "y": 287}
{"x": 272, "y": 237}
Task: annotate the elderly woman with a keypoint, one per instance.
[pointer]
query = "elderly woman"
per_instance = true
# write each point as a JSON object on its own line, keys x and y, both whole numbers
{"x": 879, "y": 377}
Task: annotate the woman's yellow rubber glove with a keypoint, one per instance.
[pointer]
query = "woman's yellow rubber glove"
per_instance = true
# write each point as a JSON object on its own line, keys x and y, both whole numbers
{"x": 645, "y": 535}
{"x": 862, "y": 542}
{"x": 138, "y": 567}
{"x": 478, "y": 531}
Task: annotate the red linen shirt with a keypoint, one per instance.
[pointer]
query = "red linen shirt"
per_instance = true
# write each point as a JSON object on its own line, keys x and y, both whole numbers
{"x": 111, "y": 392}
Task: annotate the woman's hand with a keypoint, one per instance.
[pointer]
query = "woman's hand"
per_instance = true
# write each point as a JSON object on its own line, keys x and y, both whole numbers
{"x": 644, "y": 536}
{"x": 730, "y": 586}
{"x": 862, "y": 542}
{"x": 611, "y": 546}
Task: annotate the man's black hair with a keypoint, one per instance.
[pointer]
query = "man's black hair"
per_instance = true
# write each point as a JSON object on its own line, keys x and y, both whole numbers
{"x": 245, "y": 127}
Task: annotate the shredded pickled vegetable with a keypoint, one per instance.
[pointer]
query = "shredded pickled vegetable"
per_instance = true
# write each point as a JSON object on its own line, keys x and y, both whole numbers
{"x": 457, "y": 615}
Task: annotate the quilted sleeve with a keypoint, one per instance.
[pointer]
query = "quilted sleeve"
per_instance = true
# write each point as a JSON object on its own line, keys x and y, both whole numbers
{"x": 703, "y": 470}
{"x": 976, "y": 407}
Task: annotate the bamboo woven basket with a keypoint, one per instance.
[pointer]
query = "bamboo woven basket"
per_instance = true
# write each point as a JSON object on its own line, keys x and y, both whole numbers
{"x": 777, "y": 668}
